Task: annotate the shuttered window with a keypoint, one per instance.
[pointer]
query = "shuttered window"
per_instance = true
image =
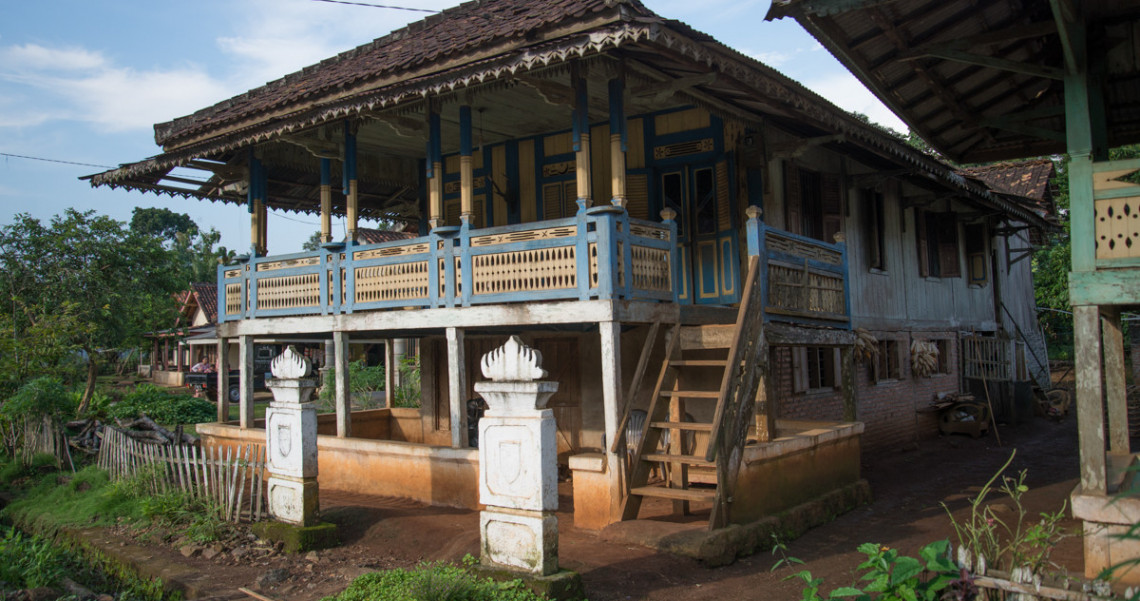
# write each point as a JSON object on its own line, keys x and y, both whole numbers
{"x": 874, "y": 239}
{"x": 813, "y": 203}
{"x": 815, "y": 368}
{"x": 936, "y": 237}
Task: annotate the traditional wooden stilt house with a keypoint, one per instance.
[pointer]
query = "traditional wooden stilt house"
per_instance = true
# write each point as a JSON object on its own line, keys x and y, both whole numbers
{"x": 679, "y": 229}
{"x": 1008, "y": 80}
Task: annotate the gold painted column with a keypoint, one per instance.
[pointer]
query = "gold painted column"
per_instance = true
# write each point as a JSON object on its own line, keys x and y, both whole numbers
{"x": 581, "y": 136}
{"x": 326, "y": 200}
{"x": 352, "y": 212}
{"x": 466, "y": 177}
{"x": 617, "y": 141}
{"x": 434, "y": 166}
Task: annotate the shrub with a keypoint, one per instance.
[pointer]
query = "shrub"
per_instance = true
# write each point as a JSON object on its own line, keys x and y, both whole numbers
{"x": 163, "y": 406}
{"x": 362, "y": 379}
{"x": 44, "y": 396}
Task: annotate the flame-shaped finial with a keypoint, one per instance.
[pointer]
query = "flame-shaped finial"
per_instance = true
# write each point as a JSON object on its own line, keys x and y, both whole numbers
{"x": 290, "y": 365}
{"x": 514, "y": 361}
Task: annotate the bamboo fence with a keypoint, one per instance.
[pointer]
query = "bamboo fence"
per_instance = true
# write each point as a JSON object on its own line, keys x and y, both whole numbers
{"x": 44, "y": 436}
{"x": 230, "y": 477}
{"x": 1027, "y": 584}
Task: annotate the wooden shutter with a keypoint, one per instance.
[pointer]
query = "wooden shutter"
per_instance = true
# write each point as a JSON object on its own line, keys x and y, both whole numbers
{"x": 837, "y": 365}
{"x": 637, "y": 195}
{"x": 793, "y": 198}
{"x": 831, "y": 201}
{"x": 920, "y": 242}
{"x": 552, "y": 201}
{"x": 949, "y": 263}
{"x": 723, "y": 198}
{"x": 799, "y": 369}
{"x": 451, "y": 210}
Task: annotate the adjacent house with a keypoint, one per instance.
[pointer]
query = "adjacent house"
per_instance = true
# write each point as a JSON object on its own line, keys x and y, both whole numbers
{"x": 689, "y": 238}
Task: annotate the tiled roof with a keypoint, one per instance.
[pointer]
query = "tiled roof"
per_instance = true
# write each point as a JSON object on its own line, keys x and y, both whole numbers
{"x": 1026, "y": 179}
{"x": 457, "y": 31}
{"x": 207, "y": 295}
{"x": 371, "y": 236}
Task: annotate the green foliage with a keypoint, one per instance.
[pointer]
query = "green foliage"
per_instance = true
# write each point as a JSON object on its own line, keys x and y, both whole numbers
{"x": 201, "y": 519}
{"x": 1012, "y": 542}
{"x": 890, "y": 576}
{"x": 163, "y": 406}
{"x": 433, "y": 582}
{"x": 407, "y": 394}
{"x": 44, "y": 396}
{"x": 363, "y": 380}
{"x": 29, "y": 561}
{"x": 83, "y": 282}
{"x": 162, "y": 223}
{"x": 87, "y": 498}
{"x": 313, "y": 243}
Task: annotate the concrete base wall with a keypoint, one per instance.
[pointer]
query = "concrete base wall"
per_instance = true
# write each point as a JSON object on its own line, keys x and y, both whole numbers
{"x": 168, "y": 378}
{"x": 807, "y": 460}
{"x": 433, "y": 475}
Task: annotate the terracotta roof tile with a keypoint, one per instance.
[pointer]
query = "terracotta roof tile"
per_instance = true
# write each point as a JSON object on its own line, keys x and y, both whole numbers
{"x": 1029, "y": 180}
{"x": 207, "y": 295}
{"x": 371, "y": 236}
{"x": 461, "y": 29}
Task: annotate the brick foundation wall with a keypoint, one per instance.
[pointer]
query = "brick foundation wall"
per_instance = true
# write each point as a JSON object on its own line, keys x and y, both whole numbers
{"x": 887, "y": 408}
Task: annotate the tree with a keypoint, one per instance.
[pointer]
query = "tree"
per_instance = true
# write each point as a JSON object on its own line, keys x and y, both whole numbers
{"x": 163, "y": 223}
{"x": 83, "y": 283}
{"x": 313, "y": 243}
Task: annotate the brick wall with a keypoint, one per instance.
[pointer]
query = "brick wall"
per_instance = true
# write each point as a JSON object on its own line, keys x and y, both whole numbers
{"x": 887, "y": 408}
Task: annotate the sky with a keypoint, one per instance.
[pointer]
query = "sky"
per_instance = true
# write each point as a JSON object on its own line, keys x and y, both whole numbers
{"x": 84, "y": 82}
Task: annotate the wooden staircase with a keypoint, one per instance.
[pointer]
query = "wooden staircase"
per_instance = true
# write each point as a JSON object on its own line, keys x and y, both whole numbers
{"x": 722, "y": 365}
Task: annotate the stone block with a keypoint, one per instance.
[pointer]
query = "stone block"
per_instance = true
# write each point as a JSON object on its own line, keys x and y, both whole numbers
{"x": 518, "y": 456}
{"x": 293, "y": 501}
{"x": 526, "y": 541}
{"x": 298, "y": 539}
{"x": 291, "y": 440}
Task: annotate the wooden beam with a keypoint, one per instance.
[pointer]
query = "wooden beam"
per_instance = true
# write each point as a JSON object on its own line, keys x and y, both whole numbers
{"x": 553, "y": 92}
{"x": 1000, "y": 36}
{"x": 1114, "y": 384}
{"x": 610, "y": 346}
{"x": 796, "y": 148}
{"x": 1090, "y": 402}
{"x": 659, "y": 92}
{"x": 245, "y": 403}
{"x": 223, "y": 387}
{"x": 1065, "y": 16}
{"x": 405, "y": 127}
{"x": 971, "y": 58}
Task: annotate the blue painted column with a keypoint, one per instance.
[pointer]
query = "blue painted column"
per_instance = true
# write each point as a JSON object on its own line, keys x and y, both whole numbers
{"x": 255, "y": 195}
{"x": 668, "y": 218}
{"x": 352, "y": 212}
{"x": 617, "y": 141}
{"x": 752, "y": 229}
{"x": 581, "y": 136}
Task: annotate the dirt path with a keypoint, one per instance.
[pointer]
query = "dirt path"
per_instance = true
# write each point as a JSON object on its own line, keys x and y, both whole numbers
{"x": 908, "y": 487}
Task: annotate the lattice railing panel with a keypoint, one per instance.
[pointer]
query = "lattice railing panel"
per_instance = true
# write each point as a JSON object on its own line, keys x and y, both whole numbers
{"x": 804, "y": 291}
{"x": 549, "y": 233}
{"x": 289, "y": 292}
{"x": 525, "y": 270}
{"x": 651, "y": 269}
{"x": 1118, "y": 228}
{"x": 400, "y": 281}
{"x": 985, "y": 358}
{"x": 592, "y": 249}
{"x": 233, "y": 299}
{"x": 803, "y": 249}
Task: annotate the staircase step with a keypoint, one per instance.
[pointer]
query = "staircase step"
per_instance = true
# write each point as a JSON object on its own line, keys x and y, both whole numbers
{"x": 699, "y": 363}
{"x": 692, "y": 394}
{"x": 694, "y": 460}
{"x": 696, "y": 426}
{"x": 682, "y": 494}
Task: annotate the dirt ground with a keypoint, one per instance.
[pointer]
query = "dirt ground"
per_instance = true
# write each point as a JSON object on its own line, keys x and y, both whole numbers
{"x": 909, "y": 489}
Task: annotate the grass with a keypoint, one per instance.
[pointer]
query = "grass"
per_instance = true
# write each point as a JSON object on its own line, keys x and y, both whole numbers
{"x": 50, "y": 500}
{"x": 433, "y": 582}
{"x": 258, "y": 410}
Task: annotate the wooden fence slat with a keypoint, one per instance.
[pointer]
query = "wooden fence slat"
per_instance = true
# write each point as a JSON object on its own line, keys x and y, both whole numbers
{"x": 241, "y": 484}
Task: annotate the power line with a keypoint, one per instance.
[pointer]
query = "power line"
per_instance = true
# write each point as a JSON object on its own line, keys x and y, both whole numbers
{"x": 21, "y": 156}
{"x": 418, "y": 10}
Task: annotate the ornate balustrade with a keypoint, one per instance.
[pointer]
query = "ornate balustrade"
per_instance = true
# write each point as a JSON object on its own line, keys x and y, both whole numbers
{"x": 804, "y": 280}
{"x": 583, "y": 257}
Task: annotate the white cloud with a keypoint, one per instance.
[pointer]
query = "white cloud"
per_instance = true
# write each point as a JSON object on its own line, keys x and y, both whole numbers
{"x": 849, "y": 94}
{"x": 37, "y": 57}
{"x": 57, "y": 84}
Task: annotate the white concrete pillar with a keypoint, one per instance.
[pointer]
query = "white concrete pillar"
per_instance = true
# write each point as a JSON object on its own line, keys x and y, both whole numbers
{"x": 245, "y": 403}
{"x": 343, "y": 386}
{"x": 456, "y": 387}
{"x": 291, "y": 442}
{"x": 610, "y": 332}
{"x": 518, "y": 462}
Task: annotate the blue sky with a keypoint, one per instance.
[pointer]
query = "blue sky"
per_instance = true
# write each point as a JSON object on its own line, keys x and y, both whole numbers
{"x": 85, "y": 81}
